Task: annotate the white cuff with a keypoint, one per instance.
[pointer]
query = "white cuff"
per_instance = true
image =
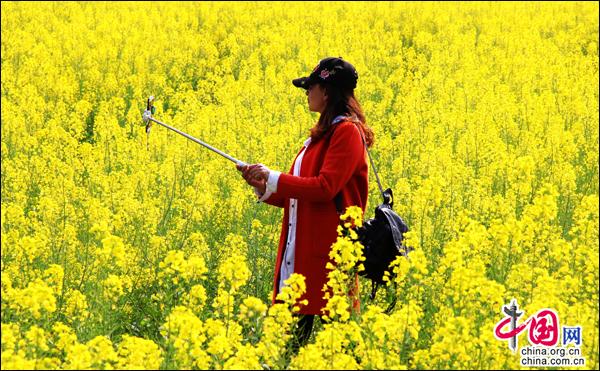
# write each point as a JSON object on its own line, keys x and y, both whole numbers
{"x": 272, "y": 181}
{"x": 263, "y": 197}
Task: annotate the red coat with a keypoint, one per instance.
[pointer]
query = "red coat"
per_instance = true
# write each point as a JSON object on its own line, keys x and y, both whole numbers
{"x": 330, "y": 165}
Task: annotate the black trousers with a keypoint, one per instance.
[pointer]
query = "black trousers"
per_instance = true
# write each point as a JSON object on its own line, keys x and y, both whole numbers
{"x": 301, "y": 333}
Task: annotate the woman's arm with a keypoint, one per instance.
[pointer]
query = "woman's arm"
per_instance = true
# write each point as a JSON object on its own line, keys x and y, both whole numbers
{"x": 271, "y": 199}
{"x": 262, "y": 189}
{"x": 344, "y": 154}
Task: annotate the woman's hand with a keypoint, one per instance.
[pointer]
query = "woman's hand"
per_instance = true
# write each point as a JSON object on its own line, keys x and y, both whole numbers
{"x": 255, "y": 175}
{"x": 260, "y": 172}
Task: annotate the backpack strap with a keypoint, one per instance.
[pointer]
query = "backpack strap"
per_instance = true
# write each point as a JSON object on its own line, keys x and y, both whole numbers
{"x": 374, "y": 287}
{"x": 362, "y": 135}
{"x": 393, "y": 303}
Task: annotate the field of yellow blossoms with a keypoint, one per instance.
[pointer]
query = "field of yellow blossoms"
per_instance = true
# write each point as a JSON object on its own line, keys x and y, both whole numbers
{"x": 122, "y": 250}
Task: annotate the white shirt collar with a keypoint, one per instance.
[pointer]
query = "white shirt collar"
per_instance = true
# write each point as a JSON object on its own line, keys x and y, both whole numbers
{"x": 338, "y": 119}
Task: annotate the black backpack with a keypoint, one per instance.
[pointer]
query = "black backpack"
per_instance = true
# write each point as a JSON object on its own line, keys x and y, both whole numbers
{"x": 382, "y": 236}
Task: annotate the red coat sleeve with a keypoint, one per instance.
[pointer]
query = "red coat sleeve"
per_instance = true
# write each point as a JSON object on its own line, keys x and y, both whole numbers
{"x": 341, "y": 160}
{"x": 275, "y": 200}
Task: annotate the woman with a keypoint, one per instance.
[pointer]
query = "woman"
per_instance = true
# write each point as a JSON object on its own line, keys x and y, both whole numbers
{"x": 330, "y": 168}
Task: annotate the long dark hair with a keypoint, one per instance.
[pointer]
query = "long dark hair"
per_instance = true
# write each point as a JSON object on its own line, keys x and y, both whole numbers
{"x": 341, "y": 102}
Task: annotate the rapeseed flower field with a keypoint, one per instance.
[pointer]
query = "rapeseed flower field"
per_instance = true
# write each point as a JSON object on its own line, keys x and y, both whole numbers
{"x": 122, "y": 250}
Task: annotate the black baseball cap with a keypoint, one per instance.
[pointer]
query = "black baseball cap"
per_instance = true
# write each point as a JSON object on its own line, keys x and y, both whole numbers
{"x": 335, "y": 71}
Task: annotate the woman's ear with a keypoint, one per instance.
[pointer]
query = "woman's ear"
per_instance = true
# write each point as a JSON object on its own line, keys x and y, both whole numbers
{"x": 324, "y": 93}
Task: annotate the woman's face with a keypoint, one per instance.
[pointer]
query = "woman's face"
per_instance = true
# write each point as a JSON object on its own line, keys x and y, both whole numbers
{"x": 317, "y": 99}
